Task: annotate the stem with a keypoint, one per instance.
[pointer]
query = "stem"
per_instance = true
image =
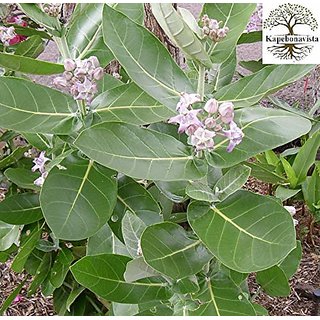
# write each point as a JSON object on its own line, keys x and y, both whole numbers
{"x": 62, "y": 46}
{"x": 201, "y": 80}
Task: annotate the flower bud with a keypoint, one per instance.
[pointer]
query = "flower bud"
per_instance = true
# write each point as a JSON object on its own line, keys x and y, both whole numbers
{"x": 210, "y": 122}
{"x": 226, "y": 112}
{"x": 94, "y": 60}
{"x": 60, "y": 81}
{"x": 213, "y": 24}
{"x": 98, "y": 73}
{"x": 69, "y": 65}
{"x": 211, "y": 106}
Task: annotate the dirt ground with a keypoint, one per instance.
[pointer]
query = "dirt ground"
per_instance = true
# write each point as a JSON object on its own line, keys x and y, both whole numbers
{"x": 307, "y": 279}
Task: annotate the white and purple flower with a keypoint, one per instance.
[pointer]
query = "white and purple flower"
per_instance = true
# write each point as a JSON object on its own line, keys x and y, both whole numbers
{"x": 234, "y": 135}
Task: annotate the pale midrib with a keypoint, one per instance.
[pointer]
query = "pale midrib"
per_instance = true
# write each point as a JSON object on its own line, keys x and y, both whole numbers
{"x": 212, "y": 298}
{"x": 110, "y": 109}
{"x": 175, "y": 252}
{"x": 19, "y": 210}
{"x": 238, "y": 227}
{"x": 37, "y": 112}
{"x": 85, "y": 177}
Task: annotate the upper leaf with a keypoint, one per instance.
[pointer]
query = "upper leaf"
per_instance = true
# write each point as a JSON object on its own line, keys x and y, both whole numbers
{"x": 104, "y": 275}
{"x": 78, "y": 201}
{"x": 263, "y": 129}
{"x": 139, "y": 152}
{"x": 29, "y": 107}
{"x": 246, "y": 232}
{"x": 251, "y": 89}
{"x": 145, "y": 59}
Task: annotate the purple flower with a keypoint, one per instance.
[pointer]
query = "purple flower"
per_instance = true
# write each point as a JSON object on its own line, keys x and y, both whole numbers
{"x": 211, "y": 106}
{"x": 234, "y": 135}
{"x": 210, "y": 123}
{"x": 6, "y": 35}
{"x": 17, "y": 299}
{"x": 69, "y": 65}
{"x": 40, "y": 162}
{"x": 227, "y": 112}
{"x": 187, "y": 100}
{"x": 186, "y": 119}
{"x": 202, "y": 139}
{"x": 39, "y": 182}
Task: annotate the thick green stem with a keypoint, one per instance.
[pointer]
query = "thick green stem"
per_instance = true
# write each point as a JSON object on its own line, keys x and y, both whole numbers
{"x": 62, "y": 46}
{"x": 201, "y": 81}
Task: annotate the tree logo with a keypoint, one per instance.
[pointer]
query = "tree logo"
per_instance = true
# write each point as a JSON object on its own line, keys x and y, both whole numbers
{"x": 293, "y": 21}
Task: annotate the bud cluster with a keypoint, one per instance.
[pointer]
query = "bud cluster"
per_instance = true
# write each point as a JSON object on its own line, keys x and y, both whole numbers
{"x": 52, "y": 9}
{"x": 39, "y": 164}
{"x": 203, "y": 125}
{"x": 7, "y": 35}
{"x": 212, "y": 30}
{"x": 80, "y": 78}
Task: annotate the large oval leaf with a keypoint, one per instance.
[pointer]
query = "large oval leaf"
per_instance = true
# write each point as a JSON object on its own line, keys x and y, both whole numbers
{"x": 167, "y": 248}
{"x": 29, "y": 107}
{"x": 20, "y": 209}
{"x": 78, "y": 201}
{"x": 139, "y": 152}
{"x": 104, "y": 275}
{"x": 128, "y": 103}
{"x": 29, "y": 65}
{"x": 263, "y": 129}
{"x": 238, "y": 230}
{"x": 180, "y": 33}
{"x": 251, "y": 89}
{"x": 9, "y": 234}
{"x": 146, "y": 60}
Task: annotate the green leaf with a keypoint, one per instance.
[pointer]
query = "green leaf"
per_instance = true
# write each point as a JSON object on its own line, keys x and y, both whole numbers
{"x": 41, "y": 274}
{"x": 219, "y": 296}
{"x": 306, "y": 157}
{"x": 29, "y": 65}
{"x": 264, "y": 172}
{"x": 124, "y": 309}
{"x": 253, "y": 66}
{"x": 128, "y": 103}
{"x": 145, "y": 59}
{"x": 226, "y": 70}
{"x": 233, "y": 15}
{"x": 167, "y": 248}
{"x": 179, "y": 32}
{"x": 186, "y": 285}
{"x": 13, "y": 157}
{"x": 251, "y": 89}
{"x": 29, "y": 32}
{"x": 34, "y": 12}
{"x": 133, "y": 197}
{"x": 9, "y": 234}
{"x": 103, "y": 275}
{"x": 20, "y": 209}
{"x": 73, "y": 296}
{"x": 26, "y": 248}
{"x": 101, "y": 242}
{"x": 60, "y": 267}
{"x": 29, "y": 107}
{"x": 78, "y": 201}
{"x": 238, "y": 229}
{"x": 6, "y": 304}
{"x": 134, "y": 11}
{"x": 139, "y": 152}
{"x": 291, "y": 262}
{"x": 200, "y": 191}
{"x": 274, "y": 282}
{"x": 132, "y": 229}
{"x": 190, "y": 20}
{"x": 40, "y": 141}
{"x": 232, "y": 181}
{"x": 31, "y": 47}
{"x": 23, "y": 178}
{"x": 173, "y": 190}
{"x": 84, "y": 37}
{"x": 260, "y": 310}
{"x": 284, "y": 193}
{"x": 292, "y": 177}
{"x": 138, "y": 269}
{"x": 311, "y": 189}
{"x": 263, "y": 129}
{"x": 250, "y": 37}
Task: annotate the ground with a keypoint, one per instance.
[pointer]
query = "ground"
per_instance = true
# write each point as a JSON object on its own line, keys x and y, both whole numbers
{"x": 300, "y": 301}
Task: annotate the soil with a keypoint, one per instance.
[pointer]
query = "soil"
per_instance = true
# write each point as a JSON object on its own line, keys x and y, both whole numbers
{"x": 305, "y": 281}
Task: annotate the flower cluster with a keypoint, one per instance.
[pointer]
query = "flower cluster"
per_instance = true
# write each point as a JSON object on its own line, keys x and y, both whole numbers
{"x": 19, "y": 21}
{"x": 212, "y": 30}
{"x": 7, "y": 35}
{"x": 80, "y": 78}
{"x": 52, "y": 9}
{"x": 255, "y": 23}
{"x": 203, "y": 125}
{"x": 39, "y": 164}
